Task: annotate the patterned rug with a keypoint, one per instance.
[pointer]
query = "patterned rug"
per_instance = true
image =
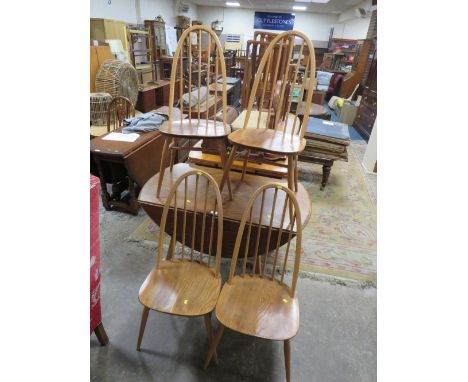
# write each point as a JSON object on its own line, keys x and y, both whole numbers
{"x": 340, "y": 239}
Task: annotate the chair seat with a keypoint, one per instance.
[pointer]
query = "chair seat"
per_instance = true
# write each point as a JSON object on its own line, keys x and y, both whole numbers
{"x": 268, "y": 140}
{"x": 193, "y": 128}
{"x": 258, "y": 307}
{"x": 184, "y": 288}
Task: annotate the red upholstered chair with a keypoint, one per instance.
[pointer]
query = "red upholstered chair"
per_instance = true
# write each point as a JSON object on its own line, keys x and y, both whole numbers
{"x": 335, "y": 86}
{"x": 95, "y": 277}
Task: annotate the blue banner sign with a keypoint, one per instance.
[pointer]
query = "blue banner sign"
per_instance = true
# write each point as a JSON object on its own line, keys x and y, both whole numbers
{"x": 274, "y": 21}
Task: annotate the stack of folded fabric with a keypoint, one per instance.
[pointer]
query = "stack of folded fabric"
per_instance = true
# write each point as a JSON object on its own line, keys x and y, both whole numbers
{"x": 149, "y": 121}
{"x": 326, "y": 139}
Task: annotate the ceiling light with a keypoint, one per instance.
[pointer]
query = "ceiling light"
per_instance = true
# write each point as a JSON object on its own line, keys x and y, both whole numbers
{"x": 299, "y": 8}
{"x": 320, "y": 1}
{"x": 232, "y": 4}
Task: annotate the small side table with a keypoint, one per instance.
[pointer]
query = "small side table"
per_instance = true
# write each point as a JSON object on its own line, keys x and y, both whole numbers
{"x": 326, "y": 142}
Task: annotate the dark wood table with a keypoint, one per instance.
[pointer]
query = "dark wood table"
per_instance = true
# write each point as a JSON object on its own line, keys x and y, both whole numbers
{"x": 326, "y": 142}
{"x": 126, "y": 166}
{"x": 155, "y": 95}
{"x": 232, "y": 209}
{"x": 315, "y": 110}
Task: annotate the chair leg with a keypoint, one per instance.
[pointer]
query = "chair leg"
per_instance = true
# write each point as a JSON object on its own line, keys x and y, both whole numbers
{"x": 287, "y": 359}
{"x": 244, "y": 166}
{"x": 223, "y": 157}
{"x": 227, "y": 168}
{"x": 101, "y": 335}
{"x": 173, "y": 154}
{"x": 209, "y": 329}
{"x": 214, "y": 345}
{"x": 291, "y": 172}
{"x": 144, "y": 318}
{"x": 296, "y": 172}
{"x": 162, "y": 167}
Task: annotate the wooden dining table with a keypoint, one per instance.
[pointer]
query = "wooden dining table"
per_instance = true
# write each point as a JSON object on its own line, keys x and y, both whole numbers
{"x": 232, "y": 209}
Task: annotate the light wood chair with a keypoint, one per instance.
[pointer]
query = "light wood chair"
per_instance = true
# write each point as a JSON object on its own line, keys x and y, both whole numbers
{"x": 261, "y": 304}
{"x": 196, "y": 127}
{"x": 264, "y": 36}
{"x": 119, "y": 108}
{"x": 187, "y": 283}
{"x": 277, "y": 132}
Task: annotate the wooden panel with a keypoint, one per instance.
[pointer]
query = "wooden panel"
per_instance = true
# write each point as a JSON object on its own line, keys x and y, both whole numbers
{"x": 104, "y": 53}
{"x": 359, "y": 65}
{"x": 98, "y": 54}
{"x": 144, "y": 162}
{"x": 107, "y": 29}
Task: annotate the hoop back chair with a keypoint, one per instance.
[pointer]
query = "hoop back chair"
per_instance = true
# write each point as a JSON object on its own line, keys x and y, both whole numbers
{"x": 119, "y": 108}
{"x": 255, "y": 51}
{"x": 278, "y": 132}
{"x": 201, "y": 122}
{"x": 261, "y": 304}
{"x": 187, "y": 283}
{"x": 264, "y": 36}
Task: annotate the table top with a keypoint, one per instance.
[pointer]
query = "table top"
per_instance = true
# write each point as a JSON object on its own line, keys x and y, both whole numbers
{"x": 155, "y": 85}
{"x": 315, "y": 110}
{"x": 102, "y": 146}
{"x": 232, "y": 209}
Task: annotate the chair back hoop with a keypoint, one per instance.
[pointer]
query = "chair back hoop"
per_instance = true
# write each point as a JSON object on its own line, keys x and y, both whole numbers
{"x": 214, "y": 208}
{"x": 291, "y": 205}
{"x": 119, "y": 108}
{"x": 283, "y": 72}
{"x": 184, "y": 50}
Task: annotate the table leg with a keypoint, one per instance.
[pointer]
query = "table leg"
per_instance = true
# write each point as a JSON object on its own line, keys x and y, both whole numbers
{"x": 223, "y": 157}
{"x": 228, "y": 167}
{"x": 326, "y": 169}
{"x": 104, "y": 194}
{"x": 134, "y": 206}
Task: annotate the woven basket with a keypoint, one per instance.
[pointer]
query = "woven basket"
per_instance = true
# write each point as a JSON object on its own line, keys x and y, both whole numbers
{"x": 99, "y": 104}
{"x": 118, "y": 78}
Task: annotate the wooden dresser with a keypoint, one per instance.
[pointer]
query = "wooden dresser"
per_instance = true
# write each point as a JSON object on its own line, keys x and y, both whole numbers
{"x": 367, "y": 111}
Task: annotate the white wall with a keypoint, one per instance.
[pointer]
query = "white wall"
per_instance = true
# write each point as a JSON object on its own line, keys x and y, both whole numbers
{"x": 350, "y": 25}
{"x": 126, "y": 10}
{"x": 236, "y": 20}
{"x": 123, "y": 10}
{"x": 167, "y": 9}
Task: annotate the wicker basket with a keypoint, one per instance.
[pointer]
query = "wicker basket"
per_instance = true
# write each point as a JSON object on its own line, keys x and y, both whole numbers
{"x": 99, "y": 104}
{"x": 118, "y": 78}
